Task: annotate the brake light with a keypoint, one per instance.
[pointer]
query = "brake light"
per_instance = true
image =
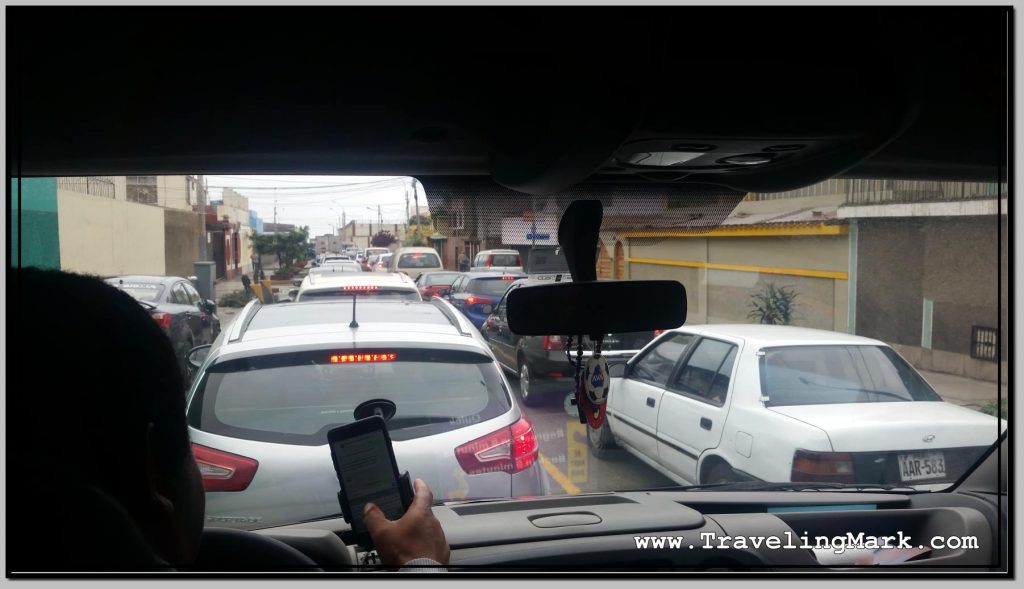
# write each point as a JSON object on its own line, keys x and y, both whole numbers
{"x": 360, "y": 288}
{"x": 163, "y": 319}
{"x": 357, "y": 358}
{"x": 507, "y": 277}
{"x": 222, "y": 471}
{"x": 811, "y": 466}
{"x": 510, "y": 449}
{"x": 553, "y": 343}
{"x": 658, "y": 332}
{"x": 473, "y": 300}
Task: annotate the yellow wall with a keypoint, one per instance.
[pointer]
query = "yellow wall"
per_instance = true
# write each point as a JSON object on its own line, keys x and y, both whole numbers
{"x": 109, "y": 237}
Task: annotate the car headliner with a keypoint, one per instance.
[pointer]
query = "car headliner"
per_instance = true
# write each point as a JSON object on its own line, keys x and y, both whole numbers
{"x": 869, "y": 91}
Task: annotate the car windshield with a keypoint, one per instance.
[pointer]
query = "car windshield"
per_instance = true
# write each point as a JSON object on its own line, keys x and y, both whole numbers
{"x": 848, "y": 317}
{"x": 818, "y": 375}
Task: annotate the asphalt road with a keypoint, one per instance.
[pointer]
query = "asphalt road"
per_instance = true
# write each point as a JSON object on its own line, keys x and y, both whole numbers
{"x": 570, "y": 467}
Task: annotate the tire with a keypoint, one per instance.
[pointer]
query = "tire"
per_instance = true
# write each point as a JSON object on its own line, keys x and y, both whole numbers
{"x": 722, "y": 473}
{"x": 601, "y": 441}
{"x": 529, "y": 399}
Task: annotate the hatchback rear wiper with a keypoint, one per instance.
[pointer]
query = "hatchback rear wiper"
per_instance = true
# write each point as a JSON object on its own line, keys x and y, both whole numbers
{"x": 146, "y": 304}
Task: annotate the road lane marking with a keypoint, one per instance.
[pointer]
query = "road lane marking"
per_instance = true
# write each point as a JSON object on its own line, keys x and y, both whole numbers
{"x": 567, "y": 485}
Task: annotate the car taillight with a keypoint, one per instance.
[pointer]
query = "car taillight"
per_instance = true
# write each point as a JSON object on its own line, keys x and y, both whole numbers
{"x": 162, "y": 319}
{"x": 222, "y": 471}
{"x": 658, "y": 332}
{"x": 473, "y": 300}
{"x": 510, "y": 449}
{"x": 820, "y": 467}
{"x": 553, "y": 343}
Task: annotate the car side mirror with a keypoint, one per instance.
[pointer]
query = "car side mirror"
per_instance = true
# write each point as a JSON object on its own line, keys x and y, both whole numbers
{"x": 198, "y": 354}
{"x": 618, "y": 370}
{"x": 293, "y": 293}
{"x": 211, "y": 306}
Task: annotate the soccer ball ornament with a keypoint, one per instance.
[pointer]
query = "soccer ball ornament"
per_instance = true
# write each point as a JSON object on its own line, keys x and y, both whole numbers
{"x": 595, "y": 381}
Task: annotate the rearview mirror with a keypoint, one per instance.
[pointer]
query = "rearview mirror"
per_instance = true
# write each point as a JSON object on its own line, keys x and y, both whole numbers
{"x": 198, "y": 354}
{"x": 586, "y": 308}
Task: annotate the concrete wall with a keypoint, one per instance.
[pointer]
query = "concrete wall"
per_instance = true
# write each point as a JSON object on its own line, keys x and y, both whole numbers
{"x": 173, "y": 192}
{"x": 182, "y": 231}
{"x": 36, "y": 223}
{"x": 717, "y": 295}
{"x": 952, "y": 261}
{"x": 108, "y": 237}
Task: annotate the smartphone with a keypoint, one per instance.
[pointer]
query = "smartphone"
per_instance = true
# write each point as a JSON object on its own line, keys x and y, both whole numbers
{"x": 365, "y": 463}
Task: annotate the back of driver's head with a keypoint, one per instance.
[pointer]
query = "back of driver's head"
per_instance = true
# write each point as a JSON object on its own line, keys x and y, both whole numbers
{"x": 94, "y": 371}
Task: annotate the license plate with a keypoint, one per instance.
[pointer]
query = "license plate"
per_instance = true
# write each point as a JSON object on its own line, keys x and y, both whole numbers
{"x": 924, "y": 465}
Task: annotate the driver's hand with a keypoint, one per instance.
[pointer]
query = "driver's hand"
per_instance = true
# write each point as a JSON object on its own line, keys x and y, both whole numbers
{"x": 417, "y": 534}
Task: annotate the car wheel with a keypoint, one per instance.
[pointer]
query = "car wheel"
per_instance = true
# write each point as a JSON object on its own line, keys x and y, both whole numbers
{"x": 601, "y": 440}
{"x": 722, "y": 473}
{"x": 530, "y": 400}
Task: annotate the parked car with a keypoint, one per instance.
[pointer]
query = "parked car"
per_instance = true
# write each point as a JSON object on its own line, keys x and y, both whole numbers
{"x": 432, "y": 283}
{"x": 284, "y": 375}
{"x": 415, "y": 261}
{"x": 176, "y": 306}
{"x": 497, "y": 261}
{"x": 539, "y": 361}
{"x": 344, "y": 285}
{"x": 719, "y": 403}
{"x": 475, "y": 294}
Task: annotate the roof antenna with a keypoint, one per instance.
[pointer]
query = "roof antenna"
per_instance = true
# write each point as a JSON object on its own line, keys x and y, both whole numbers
{"x": 354, "y": 324}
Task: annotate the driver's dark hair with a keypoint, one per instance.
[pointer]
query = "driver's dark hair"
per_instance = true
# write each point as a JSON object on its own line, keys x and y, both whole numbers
{"x": 93, "y": 370}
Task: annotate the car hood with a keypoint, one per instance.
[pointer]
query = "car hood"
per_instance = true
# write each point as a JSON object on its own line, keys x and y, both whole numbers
{"x": 866, "y": 427}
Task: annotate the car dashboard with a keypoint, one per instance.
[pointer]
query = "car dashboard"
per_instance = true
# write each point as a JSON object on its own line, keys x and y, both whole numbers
{"x": 600, "y": 532}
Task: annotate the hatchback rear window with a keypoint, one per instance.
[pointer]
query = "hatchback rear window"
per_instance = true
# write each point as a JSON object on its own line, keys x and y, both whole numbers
{"x": 439, "y": 278}
{"x": 336, "y": 294}
{"x": 820, "y": 375}
{"x": 505, "y": 260}
{"x": 489, "y": 286}
{"x": 297, "y": 398}
{"x": 419, "y": 260}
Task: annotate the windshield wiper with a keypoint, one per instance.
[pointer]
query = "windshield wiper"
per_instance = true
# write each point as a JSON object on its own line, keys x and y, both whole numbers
{"x": 768, "y": 486}
{"x": 854, "y": 389}
{"x": 146, "y": 304}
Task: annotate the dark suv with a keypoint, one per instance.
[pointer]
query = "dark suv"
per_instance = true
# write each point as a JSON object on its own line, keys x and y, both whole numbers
{"x": 540, "y": 361}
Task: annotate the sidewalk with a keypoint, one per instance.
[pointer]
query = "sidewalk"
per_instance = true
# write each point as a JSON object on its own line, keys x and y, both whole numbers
{"x": 967, "y": 392}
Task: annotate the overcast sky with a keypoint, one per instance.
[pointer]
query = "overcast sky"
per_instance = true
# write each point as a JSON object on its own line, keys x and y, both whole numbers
{"x": 318, "y": 201}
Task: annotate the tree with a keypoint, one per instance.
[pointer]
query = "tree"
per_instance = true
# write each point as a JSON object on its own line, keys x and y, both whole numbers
{"x": 773, "y": 305}
{"x": 382, "y": 239}
{"x": 288, "y": 247}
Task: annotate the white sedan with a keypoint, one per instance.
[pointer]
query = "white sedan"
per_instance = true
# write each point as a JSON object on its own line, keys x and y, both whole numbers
{"x": 721, "y": 403}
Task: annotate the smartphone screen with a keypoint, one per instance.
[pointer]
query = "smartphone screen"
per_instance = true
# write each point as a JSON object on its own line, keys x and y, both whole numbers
{"x": 367, "y": 474}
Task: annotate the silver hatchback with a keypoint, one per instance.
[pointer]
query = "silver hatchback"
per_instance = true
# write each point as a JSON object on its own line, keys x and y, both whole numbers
{"x": 274, "y": 384}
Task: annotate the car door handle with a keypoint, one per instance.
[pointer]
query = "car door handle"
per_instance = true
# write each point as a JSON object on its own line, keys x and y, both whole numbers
{"x": 650, "y": 401}
{"x": 705, "y": 423}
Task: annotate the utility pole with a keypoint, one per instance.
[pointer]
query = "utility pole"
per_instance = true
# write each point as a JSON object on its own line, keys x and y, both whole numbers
{"x": 275, "y": 210}
{"x": 416, "y": 198}
{"x": 201, "y": 202}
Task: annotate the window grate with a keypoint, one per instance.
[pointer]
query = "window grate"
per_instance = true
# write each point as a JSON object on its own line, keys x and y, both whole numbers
{"x": 983, "y": 343}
